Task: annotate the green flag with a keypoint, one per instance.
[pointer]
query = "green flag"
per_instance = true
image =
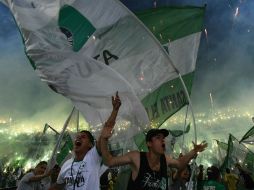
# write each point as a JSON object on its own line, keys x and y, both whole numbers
{"x": 178, "y": 29}
{"x": 65, "y": 141}
{"x": 140, "y": 141}
{"x": 238, "y": 153}
{"x": 222, "y": 151}
{"x": 65, "y": 149}
{"x": 178, "y": 133}
{"x": 222, "y": 145}
{"x": 248, "y": 137}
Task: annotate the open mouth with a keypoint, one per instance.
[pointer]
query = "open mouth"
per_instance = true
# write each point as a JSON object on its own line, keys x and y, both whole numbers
{"x": 77, "y": 143}
{"x": 163, "y": 146}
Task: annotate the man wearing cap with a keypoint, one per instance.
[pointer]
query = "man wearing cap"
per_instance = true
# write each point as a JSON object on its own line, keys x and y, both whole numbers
{"x": 148, "y": 169}
{"x": 83, "y": 171}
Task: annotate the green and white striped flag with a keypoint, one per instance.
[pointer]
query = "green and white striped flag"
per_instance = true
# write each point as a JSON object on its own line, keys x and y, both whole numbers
{"x": 64, "y": 146}
{"x": 65, "y": 149}
{"x": 222, "y": 151}
{"x": 248, "y": 137}
{"x": 178, "y": 29}
{"x": 238, "y": 153}
{"x": 178, "y": 133}
{"x": 88, "y": 50}
{"x": 222, "y": 145}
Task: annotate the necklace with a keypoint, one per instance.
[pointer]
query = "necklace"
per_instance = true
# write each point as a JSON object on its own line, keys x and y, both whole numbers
{"x": 78, "y": 172}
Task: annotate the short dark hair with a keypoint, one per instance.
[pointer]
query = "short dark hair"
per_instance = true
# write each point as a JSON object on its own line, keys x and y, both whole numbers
{"x": 213, "y": 173}
{"x": 42, "y": 163}
{"x": 153, "y": 132}
{"x": 90, "y": 136}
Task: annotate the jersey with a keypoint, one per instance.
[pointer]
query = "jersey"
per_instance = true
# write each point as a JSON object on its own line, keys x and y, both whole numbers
{"x": 148, "y": 179}
{"x": 82, "y": 175}
{"x": 213, "y": 185}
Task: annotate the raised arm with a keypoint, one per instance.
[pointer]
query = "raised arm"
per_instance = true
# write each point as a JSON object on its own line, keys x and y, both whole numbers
{"x": 116, "y": 103}
{"x": 131, "y": 158}
{"x": 106, "y": 133}
{"x": 182, "y": 162}
{"x": 39, "y": 177}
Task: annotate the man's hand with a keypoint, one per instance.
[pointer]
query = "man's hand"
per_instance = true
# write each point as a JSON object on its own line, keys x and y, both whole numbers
{"x": 116, "y": 102}
{"x": 200, "y": 147}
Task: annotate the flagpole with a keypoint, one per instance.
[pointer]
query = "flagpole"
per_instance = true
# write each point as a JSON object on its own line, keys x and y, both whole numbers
{"x": 54, "y": 130}
{"x": 78, "y": 122}
{"x": 195, "y": 129}
{"x": 59, "y": 140}
{"x": 191, "y": 107}
{"x": 184, "y": 127}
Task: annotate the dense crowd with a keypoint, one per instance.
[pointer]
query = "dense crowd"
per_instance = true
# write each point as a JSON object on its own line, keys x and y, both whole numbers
{"x": 229, "y": 179}
{"x": 93, "y": 167}
{"x": 9, "y": 176}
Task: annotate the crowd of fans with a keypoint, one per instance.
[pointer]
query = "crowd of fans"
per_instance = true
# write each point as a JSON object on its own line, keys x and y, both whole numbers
{"x": 9, "y": 176}
{"x": 236, "y": 179}
{"x": 152, "y": 170}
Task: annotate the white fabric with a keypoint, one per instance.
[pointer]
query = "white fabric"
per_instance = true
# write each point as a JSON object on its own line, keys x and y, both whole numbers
{"x": 89, "y": 172}
{"x": 141, "y": 65}
{"x": 89, "y": 83}
{"x": 187, "y": 46}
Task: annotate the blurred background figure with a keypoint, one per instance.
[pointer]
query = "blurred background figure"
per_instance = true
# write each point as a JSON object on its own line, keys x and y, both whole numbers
{"x": 48, "y": 182}
{"x": 32, "y": 180}
{"x": 200, "y": 176}
{"x": 54, "y": 174}
{"x": 214, "y": 179}
{"x": 231, "y": 180}
{"x": 245, "y": 176}
{"x": 181, "y": 179}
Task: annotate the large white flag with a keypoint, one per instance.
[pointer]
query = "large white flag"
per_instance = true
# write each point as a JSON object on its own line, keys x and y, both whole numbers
{"x": 61, "y": 39}
{"x": 88, "y": 50}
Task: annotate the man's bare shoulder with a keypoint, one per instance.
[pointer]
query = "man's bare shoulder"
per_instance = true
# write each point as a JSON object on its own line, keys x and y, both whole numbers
{"x": 135, "y": 159}
{"x": 133, "y": 155}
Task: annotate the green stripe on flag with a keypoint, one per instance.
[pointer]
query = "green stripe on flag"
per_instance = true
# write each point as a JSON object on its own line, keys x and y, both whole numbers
{"x": 238, "y": 153}
{"x": 167, "y": 99}
{"x": 77, "y": 27}
{"x": 249, "y": 161}
{"x": 140, "y": 141}
{"x": 65, "y": 149}
{"x": 171, "y": 23}
{"x": 178, "y": 133}
{"x": 249, "y": 135}
{"x": 222, "y": 145}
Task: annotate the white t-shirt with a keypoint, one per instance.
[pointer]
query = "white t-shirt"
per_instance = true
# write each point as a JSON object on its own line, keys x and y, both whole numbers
{"x": 24, "y": 184}
{"x": 82, "y": 175}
